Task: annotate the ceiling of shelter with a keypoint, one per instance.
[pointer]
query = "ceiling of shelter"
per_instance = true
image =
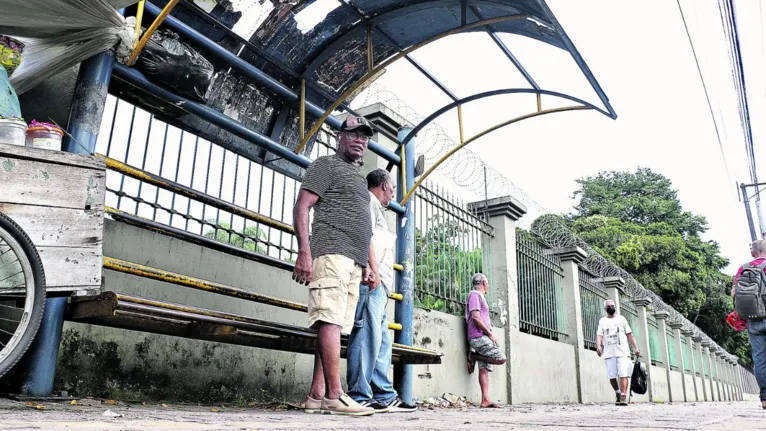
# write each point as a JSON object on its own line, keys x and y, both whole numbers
{"x": 333, "y": 52}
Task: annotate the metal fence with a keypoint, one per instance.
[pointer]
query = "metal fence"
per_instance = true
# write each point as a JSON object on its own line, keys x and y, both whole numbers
{"x": 685, "y": 354}
{"x": 451, "y": 245}
{"x": 592, "y": 297}
{"x": 628, "y": 310}
{"x": 654, "y": 339}
{"x": 540, "y": 278}
{"x": 672, "y": 350}
{"x": 749, "y": 384}
{"x": 135, "y": 137}
{"x": 695, "y": 360}
{"x": 706, "y": 364}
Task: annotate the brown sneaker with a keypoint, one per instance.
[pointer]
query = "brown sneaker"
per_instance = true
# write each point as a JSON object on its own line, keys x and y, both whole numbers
{"x": 623, "y": 400}
{"x": 345, "y": 405}
{"x": 763, "y": 405}
{"x": 312, "y": 406}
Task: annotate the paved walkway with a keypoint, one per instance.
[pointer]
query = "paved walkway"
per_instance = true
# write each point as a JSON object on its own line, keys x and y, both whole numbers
{"x": 89, "y": 415}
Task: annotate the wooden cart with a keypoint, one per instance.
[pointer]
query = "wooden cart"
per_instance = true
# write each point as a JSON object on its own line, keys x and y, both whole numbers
{"x": 51, "y": 237}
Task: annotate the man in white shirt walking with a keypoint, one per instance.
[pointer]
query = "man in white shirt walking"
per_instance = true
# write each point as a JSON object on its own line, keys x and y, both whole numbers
{"x": 612, "y": 344}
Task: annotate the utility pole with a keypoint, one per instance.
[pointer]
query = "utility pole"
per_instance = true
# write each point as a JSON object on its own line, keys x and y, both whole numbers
{"x": 746, "y": 200}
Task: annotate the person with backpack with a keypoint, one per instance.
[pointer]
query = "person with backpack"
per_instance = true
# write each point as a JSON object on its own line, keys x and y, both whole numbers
{"x": 612, "y": 344}
{"x": 748, "y": 293}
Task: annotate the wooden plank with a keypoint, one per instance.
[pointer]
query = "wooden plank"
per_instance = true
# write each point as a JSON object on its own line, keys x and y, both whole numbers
{"x": 49, "y": 156}
{"x": 65, "y": 266}
{"x": 28, "y": 182}
{"x": 58, "y": 227}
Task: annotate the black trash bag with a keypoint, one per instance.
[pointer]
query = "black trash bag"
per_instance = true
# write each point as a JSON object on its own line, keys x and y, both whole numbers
{"x": 638, "y": 380}
{"x": 168, "y": 61}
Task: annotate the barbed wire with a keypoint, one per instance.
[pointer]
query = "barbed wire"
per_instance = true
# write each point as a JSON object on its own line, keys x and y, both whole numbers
{"x": 467, "y": 170}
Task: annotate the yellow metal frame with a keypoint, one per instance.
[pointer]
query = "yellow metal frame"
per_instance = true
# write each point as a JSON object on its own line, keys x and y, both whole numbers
{"x": 149, "y": 31}
{"x": 479, "y": 135}
{"x": 370, "y": 73}
{"x": 139, "y": 19}
{"x": 204, "y": 285}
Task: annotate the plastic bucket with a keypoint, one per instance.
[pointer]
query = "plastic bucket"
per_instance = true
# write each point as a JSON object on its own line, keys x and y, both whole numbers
{"x": 13, "y": 132}
{"x": 44, "y": 136}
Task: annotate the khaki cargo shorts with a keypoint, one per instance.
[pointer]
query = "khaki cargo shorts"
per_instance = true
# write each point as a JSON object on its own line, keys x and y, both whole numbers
{"x": 334, "y": 291}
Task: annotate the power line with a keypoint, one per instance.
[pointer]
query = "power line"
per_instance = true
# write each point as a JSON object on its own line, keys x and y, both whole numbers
{"x": 707, "y": 95}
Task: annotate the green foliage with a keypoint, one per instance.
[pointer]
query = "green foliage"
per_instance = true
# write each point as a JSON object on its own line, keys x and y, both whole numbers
{"x": 239, "y": 240}
{"x": 443, "y": 270}
{"x": 635, "y": 219}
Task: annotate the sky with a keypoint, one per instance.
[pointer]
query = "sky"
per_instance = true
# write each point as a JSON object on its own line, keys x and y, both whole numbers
{"x": 641, "y": 56}
{"x": 637, "y": 50}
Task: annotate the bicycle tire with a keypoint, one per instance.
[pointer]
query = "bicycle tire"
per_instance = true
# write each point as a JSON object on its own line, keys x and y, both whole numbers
{"x": 29, "y": 251}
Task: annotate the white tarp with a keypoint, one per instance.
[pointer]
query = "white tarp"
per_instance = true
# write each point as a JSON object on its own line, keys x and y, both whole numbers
{"x": 59, "y": 34}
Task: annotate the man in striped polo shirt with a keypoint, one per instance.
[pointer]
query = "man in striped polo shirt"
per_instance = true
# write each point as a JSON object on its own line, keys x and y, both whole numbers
{"x": 334, "y": 259}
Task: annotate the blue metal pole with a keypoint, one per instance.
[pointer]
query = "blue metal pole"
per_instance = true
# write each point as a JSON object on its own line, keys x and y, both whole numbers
{"x": 405, "y": 254}
{"x": 88, "y": 103}
{"x": 85, "y": 115}
{"x": 44, "y": 352}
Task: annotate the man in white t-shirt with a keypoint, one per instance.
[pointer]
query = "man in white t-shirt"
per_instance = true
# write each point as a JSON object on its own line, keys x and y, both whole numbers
{"x": 612, "y": 344}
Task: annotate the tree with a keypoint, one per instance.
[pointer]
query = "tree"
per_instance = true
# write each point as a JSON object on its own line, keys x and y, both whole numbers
{"x": 443, "y": 269}
{"x": 635, "y": 219}
{"x": 246, "y": 240}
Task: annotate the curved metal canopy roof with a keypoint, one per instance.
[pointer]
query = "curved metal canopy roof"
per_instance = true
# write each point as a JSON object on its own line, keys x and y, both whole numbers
{"x": 333, "y": 48}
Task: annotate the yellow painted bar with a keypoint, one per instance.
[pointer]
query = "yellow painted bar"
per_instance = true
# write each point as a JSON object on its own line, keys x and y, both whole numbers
{"x": 150, "y": 31}
{"x": 207, "y": 286}
{"x": 391, "y": 60}
{"x": 139, "y": 18}
{"x": 398, "y": 267}
{"x": 196, "y": 283}
{"x": 370, "y": 58}
{"x": 479, "y": 135}
{"x": 155, "y": 180}
{"x": 460, "y": 122}
{"x": 539, "y": 102}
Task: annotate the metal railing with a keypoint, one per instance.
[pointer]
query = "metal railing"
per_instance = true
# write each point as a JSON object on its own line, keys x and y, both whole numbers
{"x": 749, "y": 383}
{"x": 540, "y": 278}
{"x": 451, "y": 245}
{"x": 654, "y": 339}
{"x": 672, "y": 359}
{"x": 592, "y": 297}
{"x": 135, "y": 137}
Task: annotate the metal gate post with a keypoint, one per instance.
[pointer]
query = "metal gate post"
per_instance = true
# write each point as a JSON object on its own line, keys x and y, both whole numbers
{"x": 43, "y": 354}
{"x": 405, "y": 255}
{"x": 88, "y": 103}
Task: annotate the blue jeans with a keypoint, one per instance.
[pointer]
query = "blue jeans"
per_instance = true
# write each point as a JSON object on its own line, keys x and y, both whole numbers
{"x": 369, "y": 349}
{"x": 757, "y": 331}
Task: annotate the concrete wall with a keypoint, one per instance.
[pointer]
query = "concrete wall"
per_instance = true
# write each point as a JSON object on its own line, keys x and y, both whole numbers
{"x": 542, "y": 370}
{"x": 446, "y": 333}
{"x": 140, "y": 364}
{"x": 595, "y": 385}
{"x": 676, "y": 385}
{"x": 690, "y": 396}
{"x": 660, "y": 384}
{"x": 700, "y": 393}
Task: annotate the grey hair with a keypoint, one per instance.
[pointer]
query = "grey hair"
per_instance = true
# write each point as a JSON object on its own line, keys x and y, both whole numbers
{"x": 608, "y": 301}
{"x": 478, "y": 279}
{"x": 758, "y": 247}
{"x": 378, "y": 177}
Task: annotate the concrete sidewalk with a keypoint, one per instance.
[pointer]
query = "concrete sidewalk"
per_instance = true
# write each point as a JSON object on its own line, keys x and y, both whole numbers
{"x": 89, "y": 415}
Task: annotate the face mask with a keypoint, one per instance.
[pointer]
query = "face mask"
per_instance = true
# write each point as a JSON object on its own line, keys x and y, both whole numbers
{"x": 610, "y": 310}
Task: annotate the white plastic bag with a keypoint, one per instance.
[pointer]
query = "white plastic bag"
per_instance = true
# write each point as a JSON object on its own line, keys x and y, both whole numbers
{"x": 59, "y": 34}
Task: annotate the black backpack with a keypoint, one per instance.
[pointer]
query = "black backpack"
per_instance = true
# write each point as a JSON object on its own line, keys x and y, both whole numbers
{"x": 638, "y": 380}
{"x": 750, "y": 291}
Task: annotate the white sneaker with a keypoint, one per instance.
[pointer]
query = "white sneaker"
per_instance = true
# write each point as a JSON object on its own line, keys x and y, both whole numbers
{"x": 345, "y": 405}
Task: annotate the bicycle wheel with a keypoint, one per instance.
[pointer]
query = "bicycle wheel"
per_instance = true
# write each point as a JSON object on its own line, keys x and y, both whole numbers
{"x": 22, "y": 293}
